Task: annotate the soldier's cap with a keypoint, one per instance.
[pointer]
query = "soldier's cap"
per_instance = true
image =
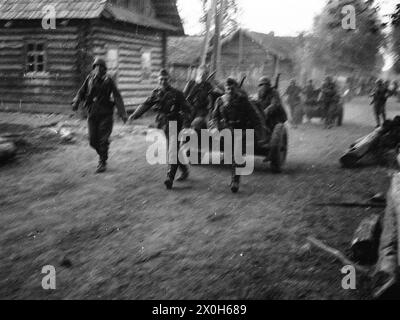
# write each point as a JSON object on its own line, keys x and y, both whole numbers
{"x": 231, "y": 82}
{"x": 99, "y": 62}
{"x": 164, "y": 73}
{"x": 264, "y": 81}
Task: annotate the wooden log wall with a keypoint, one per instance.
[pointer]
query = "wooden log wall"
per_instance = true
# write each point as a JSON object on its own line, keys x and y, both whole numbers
{"x": 50, "y": 91}
{"x": 130, "y": 41}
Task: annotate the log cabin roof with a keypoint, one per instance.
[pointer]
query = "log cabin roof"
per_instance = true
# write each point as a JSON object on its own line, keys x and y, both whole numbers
{"x": 167, "y": 16}
{"x": 186, "y": 50}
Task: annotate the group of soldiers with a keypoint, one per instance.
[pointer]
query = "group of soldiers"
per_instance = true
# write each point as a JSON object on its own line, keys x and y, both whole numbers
{"x": 231, "y": 110}
{"x": 207, "y": 104}
{"x": 328, "y": 95}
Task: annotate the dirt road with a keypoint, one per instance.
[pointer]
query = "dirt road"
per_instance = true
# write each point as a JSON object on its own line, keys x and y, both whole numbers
{"x": 123, "y": 236}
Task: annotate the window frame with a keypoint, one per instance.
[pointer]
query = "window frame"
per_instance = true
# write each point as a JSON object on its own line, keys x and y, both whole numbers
{"x": 144, "y": 50}
{"x": 35, "y": 53}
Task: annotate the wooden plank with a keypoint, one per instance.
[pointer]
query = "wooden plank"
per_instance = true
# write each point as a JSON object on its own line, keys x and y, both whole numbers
{"x": 385, "y": 276}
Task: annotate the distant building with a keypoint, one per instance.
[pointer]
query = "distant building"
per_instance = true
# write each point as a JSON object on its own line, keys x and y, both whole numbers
{"x": 41, "y": 69}
{"x": 243, "y": 52}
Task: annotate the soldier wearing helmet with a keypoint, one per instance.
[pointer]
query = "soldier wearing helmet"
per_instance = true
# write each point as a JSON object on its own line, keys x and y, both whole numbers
{"x": 233, "y": 111}
{"x": 170, "y": 106}
{"x": 100, "y": 96}
{"x": 270, "y": 104}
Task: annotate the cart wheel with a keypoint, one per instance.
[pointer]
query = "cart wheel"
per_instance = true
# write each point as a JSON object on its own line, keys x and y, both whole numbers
{"x": 279, "y": 147}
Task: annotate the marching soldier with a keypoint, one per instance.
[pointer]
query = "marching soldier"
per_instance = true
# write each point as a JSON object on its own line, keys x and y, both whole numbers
{"x": 270, "y": 103}
{"x": 293, "y": 93}
{"x": 329, "y": 98}
{"x": 233, "y": 111}
{"x": 170, "y": 105}
{"x": 96, "y": 93}
{"x": 379, "y": 99}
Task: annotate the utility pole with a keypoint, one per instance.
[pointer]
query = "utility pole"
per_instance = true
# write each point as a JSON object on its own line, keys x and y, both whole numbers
{"x": 206, "y": 43}
{"x": 217, "y": 36}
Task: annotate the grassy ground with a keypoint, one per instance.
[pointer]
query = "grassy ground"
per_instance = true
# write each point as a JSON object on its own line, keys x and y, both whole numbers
{"x": 123, "y": 236}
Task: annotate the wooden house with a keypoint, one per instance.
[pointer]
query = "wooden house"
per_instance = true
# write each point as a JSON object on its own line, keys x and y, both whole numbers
{"x": 243, "y": 52}
{"x": 43, "y": 61}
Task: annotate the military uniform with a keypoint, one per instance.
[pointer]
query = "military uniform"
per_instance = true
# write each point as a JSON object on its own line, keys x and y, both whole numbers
{"x": 294, "y": 100}
{"x": 379, "y": 99}
{"x": 310, "y": 95}
{"x": 270, "y": 103}
{"x": 169, "y": 105}
{"x": 329, "y": 98}
{"x": 233, "y": 113}
{"x": 100, "y": 96}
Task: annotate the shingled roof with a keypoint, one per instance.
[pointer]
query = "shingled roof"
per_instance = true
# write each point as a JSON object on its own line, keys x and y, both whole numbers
{"x": 167, "y": 13}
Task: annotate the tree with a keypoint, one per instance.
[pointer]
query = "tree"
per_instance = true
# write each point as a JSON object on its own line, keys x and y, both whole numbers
{"x": 230, "y": 17}
{"x": 396, "y": 39}
{"x": 334, "y": 47}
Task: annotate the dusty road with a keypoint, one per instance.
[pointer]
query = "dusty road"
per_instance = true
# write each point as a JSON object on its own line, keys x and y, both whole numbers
{"x": 123, "y": 236}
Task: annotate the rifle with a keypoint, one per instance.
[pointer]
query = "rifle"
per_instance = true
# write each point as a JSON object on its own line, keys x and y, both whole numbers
{"x": 242, "y": 82}
{"x": 277, "y": 81}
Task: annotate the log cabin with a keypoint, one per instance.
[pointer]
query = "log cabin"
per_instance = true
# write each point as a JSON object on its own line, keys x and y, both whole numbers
{"x": 243, "y": 52}
{"x": 47, "y": 48}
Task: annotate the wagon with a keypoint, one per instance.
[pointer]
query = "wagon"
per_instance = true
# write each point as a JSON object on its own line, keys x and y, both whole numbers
{"x": 316, "y": 110}
{"x": 274, "y": 149}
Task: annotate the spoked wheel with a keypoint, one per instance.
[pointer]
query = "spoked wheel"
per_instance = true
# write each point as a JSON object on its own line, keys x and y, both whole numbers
{"x": 279, "y": 148}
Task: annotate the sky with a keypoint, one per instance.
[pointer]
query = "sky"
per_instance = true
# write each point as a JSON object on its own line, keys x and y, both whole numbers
{"x": 283, "y": 17}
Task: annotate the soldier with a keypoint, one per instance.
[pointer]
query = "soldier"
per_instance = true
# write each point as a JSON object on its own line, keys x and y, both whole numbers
{"x": 379, "y": 99}
{"x": 270, "y": 103}
{"x": 96, "y": 93}
{"x": 233, "y": 111}
{"x": 329, "y": 98}
{"x": 293, "y": 93}
{"x": 170, "y": 105}
{"x": 309, "y": 93}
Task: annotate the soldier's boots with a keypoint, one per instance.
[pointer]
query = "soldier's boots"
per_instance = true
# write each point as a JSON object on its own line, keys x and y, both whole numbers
{"x": 184, "y": 176}
{"x": 102, "y": 167}
{"x": 235, "y": 187}
{"x": 168, "y": 184}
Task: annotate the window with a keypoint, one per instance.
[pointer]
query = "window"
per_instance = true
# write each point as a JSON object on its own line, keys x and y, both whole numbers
{"x": 112, "y": 60}
{"x": 146, "y": 64}
{"x": 36, "y": 57}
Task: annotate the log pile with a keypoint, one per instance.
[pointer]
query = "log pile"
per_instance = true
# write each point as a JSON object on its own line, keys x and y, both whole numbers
{"x": 379, "y": 147}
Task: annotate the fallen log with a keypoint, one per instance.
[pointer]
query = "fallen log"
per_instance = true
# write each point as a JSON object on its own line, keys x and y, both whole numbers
{"x": 386, "y": 273}
{"x": 8, "y": 150}
{"x": 364, "y": 245}
{"x": 338, "y": 255}
{"x": 360, "y": 149}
